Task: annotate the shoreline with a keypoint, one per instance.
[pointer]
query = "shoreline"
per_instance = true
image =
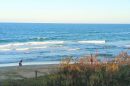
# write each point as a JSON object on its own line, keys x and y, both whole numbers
{"x": 29, "y": 64}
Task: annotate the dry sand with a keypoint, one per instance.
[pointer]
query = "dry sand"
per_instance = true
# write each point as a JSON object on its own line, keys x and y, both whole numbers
{"x": 26, "y": 71}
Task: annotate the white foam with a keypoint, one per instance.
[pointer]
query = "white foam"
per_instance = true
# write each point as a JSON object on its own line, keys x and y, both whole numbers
{"x": 28, "y": 45}
{"x": 31, "y": 43}
{"x": 39, "y": 47}
{"x": 22, "y": 49}
{"x": 5, "y": 49}
{"x": 47, "y": 42}
{"x": 92, "y": 42}
{"x": 73, "y": 49}
{"x": 127, "y": 46}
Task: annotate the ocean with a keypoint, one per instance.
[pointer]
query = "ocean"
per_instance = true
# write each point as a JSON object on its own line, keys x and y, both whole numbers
{"x": 46, "y": 43}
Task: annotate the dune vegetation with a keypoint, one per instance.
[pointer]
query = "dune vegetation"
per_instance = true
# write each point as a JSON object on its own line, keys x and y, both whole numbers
{"x": 86, "y": 71}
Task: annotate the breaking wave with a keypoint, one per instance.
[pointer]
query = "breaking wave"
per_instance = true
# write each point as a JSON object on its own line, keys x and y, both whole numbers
{"x": 92, "y": 42}
{"x": 28, "y": 45}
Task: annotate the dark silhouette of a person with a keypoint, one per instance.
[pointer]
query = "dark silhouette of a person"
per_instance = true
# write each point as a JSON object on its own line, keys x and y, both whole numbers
{"x": 20, "y": 63}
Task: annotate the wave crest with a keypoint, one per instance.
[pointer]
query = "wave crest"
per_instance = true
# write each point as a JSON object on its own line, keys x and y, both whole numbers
{"x": 92, "y": 42}
{"x": 28, "y": 45}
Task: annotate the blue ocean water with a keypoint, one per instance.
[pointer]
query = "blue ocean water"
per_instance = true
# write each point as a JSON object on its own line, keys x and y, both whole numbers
{"x": 37, "y": 42}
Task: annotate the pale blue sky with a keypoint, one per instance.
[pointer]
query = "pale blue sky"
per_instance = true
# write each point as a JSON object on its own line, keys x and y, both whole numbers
{"x": 65, "y": 11}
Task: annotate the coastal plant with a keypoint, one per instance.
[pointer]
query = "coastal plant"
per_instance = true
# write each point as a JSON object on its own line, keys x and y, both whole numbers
{"x": 86, "y": 71}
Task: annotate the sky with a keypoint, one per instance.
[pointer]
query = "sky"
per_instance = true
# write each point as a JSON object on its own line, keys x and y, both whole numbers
{"x": 65, "y": 11}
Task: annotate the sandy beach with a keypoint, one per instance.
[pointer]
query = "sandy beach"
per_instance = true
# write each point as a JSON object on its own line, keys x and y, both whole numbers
{"x": 28, "y": 71}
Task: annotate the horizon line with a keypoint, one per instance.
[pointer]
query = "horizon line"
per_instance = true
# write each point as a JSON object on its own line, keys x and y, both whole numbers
{"x": 60, "y": 23}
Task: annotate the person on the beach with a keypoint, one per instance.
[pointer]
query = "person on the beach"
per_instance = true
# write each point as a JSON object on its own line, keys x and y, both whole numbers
{"x": 20, "y": 63}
